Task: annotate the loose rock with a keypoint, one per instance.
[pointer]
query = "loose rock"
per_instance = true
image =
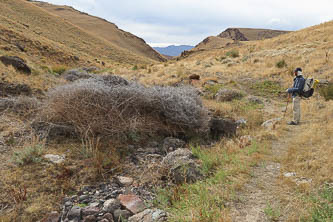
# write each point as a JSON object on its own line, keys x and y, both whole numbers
{"x": 270, "y": 124}
{"x": 111, "y": 205}
{"x": 125, "y": 181}
{"x": 74, "y": 213}
{"x": 54, "y": 158}
{"x": 149, "y": 215}
{"x": 121, "y": 215}
{"x": 181, "y": 166}
{"x": 132, "y": 202}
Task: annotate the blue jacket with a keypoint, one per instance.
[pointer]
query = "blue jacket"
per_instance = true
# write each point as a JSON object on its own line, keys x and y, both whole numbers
{"x": 298, "y": 86}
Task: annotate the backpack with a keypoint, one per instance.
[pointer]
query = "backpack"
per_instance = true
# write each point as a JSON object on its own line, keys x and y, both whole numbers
{"x": 308, "y": 89}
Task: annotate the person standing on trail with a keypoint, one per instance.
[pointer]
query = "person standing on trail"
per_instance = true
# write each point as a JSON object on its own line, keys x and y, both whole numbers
{"x": 296, "y": 93}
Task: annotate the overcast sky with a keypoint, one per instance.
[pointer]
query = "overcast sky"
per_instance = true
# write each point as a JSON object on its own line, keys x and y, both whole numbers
{"x": 165, "y": 22}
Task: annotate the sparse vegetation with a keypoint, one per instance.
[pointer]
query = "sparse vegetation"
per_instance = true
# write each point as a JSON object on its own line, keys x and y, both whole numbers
{"x": 232, "y": 53}
{"x": 281, "y": 64}
{"x": 327, "y": 91}
{"x": 59, "y": 69}
{"x": 267, "y": 88}
{"x": 29, "y": 155}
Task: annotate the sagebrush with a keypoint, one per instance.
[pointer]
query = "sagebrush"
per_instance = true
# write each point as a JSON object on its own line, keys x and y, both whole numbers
{"x": 107, "y": 107}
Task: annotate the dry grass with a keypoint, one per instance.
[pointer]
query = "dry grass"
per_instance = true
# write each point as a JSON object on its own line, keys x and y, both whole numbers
{"x": 103, "y": 29}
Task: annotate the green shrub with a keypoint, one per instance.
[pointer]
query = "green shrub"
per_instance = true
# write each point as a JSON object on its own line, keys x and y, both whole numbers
{"x": 233, "y": 53}
{"x": 327, "y": 92}
{"x": 135, "y": 67}
{"x": 30, "y": 154}
{"x": 281, "y": 64}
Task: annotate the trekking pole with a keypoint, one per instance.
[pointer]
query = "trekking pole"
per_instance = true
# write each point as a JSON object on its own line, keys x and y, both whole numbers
{"x": 288, "y": 100}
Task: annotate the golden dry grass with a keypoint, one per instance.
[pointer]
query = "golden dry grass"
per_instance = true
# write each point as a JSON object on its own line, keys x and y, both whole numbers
{"x": 103, "y": 29}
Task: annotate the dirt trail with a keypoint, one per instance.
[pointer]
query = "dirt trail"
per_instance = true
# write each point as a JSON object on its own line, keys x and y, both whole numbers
{"x": 257, "y": 202}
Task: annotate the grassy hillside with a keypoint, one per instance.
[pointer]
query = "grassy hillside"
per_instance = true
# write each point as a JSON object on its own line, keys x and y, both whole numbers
{"x": 103, "y": 29}
{"x": 247, "y": 167}
{"x": 44, "y": 37}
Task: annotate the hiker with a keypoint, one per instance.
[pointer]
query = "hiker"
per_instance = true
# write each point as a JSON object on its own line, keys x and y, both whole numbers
{"x": 296, "y": 92}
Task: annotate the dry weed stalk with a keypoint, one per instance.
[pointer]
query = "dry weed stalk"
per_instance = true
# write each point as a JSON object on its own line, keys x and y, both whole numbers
{"x": 18, "y": 195}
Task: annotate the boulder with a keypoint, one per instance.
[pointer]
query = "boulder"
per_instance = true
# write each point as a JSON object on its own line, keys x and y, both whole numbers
{"x": 75, "y": 213}
{"x": 111, "y": 205}
{"x": 181, "y": 166}
{"x": 149, "y": 215}
{"x": 11, "y": 89}
{"x": 222, "y": 127}
{"x": 18, "y": 63}
{"x": 121, "y": 215}
{"x": 132, "y": 202}
{"x": 224, "y": 95}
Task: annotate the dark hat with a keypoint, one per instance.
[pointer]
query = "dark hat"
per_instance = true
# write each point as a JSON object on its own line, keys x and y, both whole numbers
{"x": 298, "y": 70}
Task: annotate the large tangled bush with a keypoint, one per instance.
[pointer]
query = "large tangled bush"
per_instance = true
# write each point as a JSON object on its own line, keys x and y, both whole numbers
{"x": 110, "y": 106}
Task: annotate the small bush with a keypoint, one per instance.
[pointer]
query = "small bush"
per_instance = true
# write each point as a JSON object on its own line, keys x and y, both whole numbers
{"x": 135, "y": 67}
{"x": 233, "y": 53}
{"x": 30, "y": 154}
{"x": 327, "y": 91}
{"x": 281, "y": 64}
{"x": 111, "y": 108}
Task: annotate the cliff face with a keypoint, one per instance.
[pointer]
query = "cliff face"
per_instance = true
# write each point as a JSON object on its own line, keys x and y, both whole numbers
{"x": 234, "y": 34}
{"x": 247, "y": 34}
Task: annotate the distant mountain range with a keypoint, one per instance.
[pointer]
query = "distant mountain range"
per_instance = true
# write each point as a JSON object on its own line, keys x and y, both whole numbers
{"x": 173, "y": 50}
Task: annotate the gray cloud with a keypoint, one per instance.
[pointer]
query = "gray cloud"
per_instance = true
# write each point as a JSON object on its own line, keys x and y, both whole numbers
{"x": 190, "y": 21}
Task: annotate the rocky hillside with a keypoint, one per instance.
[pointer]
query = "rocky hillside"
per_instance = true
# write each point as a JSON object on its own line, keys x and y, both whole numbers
{"x": 103, "y": 29}
{"x": 247, "y": 34}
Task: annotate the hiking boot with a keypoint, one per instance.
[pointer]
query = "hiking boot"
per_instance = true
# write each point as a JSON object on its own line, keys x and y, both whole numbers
{"x": 292, "y": 123}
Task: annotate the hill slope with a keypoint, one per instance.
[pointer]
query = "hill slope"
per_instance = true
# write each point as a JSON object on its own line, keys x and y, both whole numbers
{"x": 173, "y": 50}
{"x": 103, "y": 29}
{"x": 36, "y": 35}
